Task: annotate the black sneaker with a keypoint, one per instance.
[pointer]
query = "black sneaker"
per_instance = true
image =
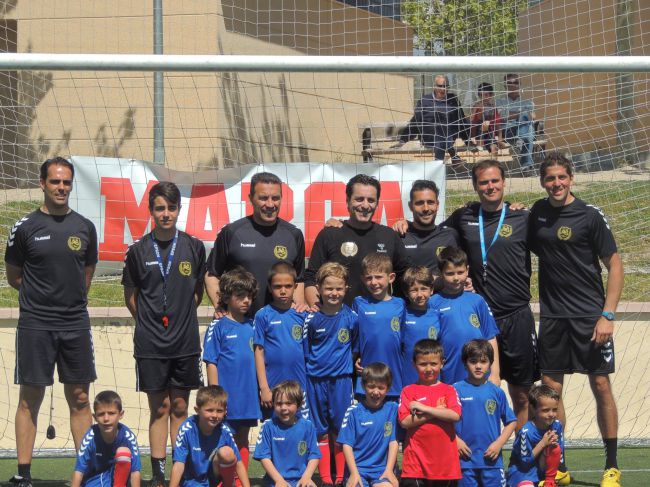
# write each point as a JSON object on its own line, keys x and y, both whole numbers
{"x": 19, "y": 481}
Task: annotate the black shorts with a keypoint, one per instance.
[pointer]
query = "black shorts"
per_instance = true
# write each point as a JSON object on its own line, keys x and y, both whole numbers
{"x": 37, "y": 351}
{"x": 517, "y": 341}
{"x": 162, "y": 374}
{"x": 565, "y": 347}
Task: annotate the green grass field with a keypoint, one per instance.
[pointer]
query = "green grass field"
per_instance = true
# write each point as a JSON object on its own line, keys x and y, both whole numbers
{"x": 585, "y": 466}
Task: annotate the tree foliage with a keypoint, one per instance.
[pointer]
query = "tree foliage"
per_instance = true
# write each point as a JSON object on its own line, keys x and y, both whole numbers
{"x": 464, "y": 27}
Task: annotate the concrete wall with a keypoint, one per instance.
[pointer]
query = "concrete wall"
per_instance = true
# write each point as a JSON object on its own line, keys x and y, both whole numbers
{"x": 211, "y": 120}
{"x": 113, "y": 338}
{"x": 580, "y": 109}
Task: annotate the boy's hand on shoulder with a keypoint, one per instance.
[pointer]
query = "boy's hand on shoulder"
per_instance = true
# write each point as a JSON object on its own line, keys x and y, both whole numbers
{"x": 464, "y": 451}
{"x": 334, "y": 223}
{"x": 401, "y": 227}
{"x": 492, "y": 452}
{"x": 300, "y": 307}
{"x": 219, "y": 313}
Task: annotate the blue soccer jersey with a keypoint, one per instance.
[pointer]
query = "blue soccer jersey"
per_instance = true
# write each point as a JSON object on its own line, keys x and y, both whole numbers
{"x": 369, "y": 432}
{"x": 289, "y": 448}
{"x": 328, "y": 341}
{"x": 96, "y": 457}
{"x": 417, "y": 325}
{"x": 485, "y": 409}
{"x": 463, "y": 317}
{"x": 379, "y": 336}
{"x": 279, "y": 333}
{"x": 523, "y": 465}
{"x": 229, "y": 345}
{"x": 194, "y": 449}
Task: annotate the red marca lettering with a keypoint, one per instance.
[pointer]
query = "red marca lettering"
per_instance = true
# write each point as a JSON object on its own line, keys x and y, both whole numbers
{"x": 121, "y": 207}
{"x": 315, "y": 197}
{"x": 390, "y": 202}
{"x": 286, "y": 209}
{"x": 207, "y": 198}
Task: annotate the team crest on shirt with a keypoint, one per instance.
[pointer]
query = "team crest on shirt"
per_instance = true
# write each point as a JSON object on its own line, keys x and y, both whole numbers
{"x": 473, "y": 319}
{"x": 349, "y": 249}
{"x": 506, "y": 231}
{"x": 394, "y": 323}
{"x": 388, "y": 429}
{"x": 439, "y": 250}
{"x": 296, "y": 332}
{"x": 302, "y": 447}
{"x": 280, "y": 252}
{"x": 185, "y": 268}
{"x": 250, "y": 343}
{"x": 564, "y": 233}
{"x": 344, "y": 336}
{"x": 74, "y": 243}
{"x": 490, "y": 406}
{"x": 433, "y": 333}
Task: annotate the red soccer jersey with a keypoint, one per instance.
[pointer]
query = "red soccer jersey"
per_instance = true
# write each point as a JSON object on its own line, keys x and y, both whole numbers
{"x": 430, "y": 450}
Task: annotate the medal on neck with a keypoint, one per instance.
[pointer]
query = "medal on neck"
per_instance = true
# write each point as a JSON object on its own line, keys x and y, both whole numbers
{"x": 164, "y": 272}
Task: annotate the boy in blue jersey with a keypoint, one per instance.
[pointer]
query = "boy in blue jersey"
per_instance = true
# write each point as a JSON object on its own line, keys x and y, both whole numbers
{"x": 368, "y": 432}
{"x": 286, "y": 445}
{"x": 539, "y": 446}
{"x": 109, "y": 454}
{"x": 420, "y": 320}
{"x": 329, "y": 337}
{"x": 464, "y": 316}
{"x": 380, "y": 316}
{"x": 277, "y": 339}
{"x": 478, "y": 433}
{"x": 229, "y": 358}
{"x": 205, "y": 451}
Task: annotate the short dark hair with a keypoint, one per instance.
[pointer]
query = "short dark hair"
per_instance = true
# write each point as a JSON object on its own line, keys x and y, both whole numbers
{"x": 167, "y": 190}
{"x": 486, "y": 164}
{"x": 539, "y": 391}
{"x": 451, "y": 256}
{"x": 421, "y": 185}
{"x": 377, "y": 372}
{"x": 414, "y": 275}
{"x": 291, "y": 389}
{"x": 510, "y": 76}
{"x": 107, "y": 398}
{"x": 55, "y": 161}
{"x": 282, "y": 267}
{"x": 428, "y": 346}
{"x": 236, "y": 282}
{"x": 485, "y": 87}
{"x": 264, "y": 178}
{"x": 364, "y": 180}
{"x": 214, "y": 393}
{"x": 477, "y": 349}
{"x": 554, "y": 158}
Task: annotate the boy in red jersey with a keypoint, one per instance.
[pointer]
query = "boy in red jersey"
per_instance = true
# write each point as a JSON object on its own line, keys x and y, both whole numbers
{"x": 428, "y": 410}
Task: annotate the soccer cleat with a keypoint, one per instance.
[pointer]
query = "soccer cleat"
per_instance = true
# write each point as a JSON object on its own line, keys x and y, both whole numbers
{"x": 563, "y": 478}
{"x": 19, "y": 481}
{"x": 611, "y": 478}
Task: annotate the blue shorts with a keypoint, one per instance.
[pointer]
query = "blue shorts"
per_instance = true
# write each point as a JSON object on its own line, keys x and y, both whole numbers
{"x": 101, "y": 479}
{"x": 485, "y": 477}
{"x": 516, "y": 476}
{"x": 236, "y": 424}
{"x": 329, "y": 398}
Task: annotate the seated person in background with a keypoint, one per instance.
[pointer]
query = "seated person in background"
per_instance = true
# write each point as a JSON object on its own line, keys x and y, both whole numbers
{"x": 517, "y": 116}
{"x": 438, "y": 120}
{"x": 109, "y": 453}
{"x": 539, "y": 445}
{"x": 485, "y": 124}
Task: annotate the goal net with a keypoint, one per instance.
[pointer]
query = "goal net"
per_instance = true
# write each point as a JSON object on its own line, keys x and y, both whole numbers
{"x": 215, "y": 127}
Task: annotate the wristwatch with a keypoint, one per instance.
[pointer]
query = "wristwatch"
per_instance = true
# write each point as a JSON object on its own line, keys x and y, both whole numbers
{"x": 608, "y": 315}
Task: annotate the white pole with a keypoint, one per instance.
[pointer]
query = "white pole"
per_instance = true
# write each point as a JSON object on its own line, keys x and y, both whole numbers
{"x": 333, "y": 64}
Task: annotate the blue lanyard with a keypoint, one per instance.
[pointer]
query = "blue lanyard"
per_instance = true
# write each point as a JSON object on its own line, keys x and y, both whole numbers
{"x": 164, "y": 271}
{"x": 484, "y": 251}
